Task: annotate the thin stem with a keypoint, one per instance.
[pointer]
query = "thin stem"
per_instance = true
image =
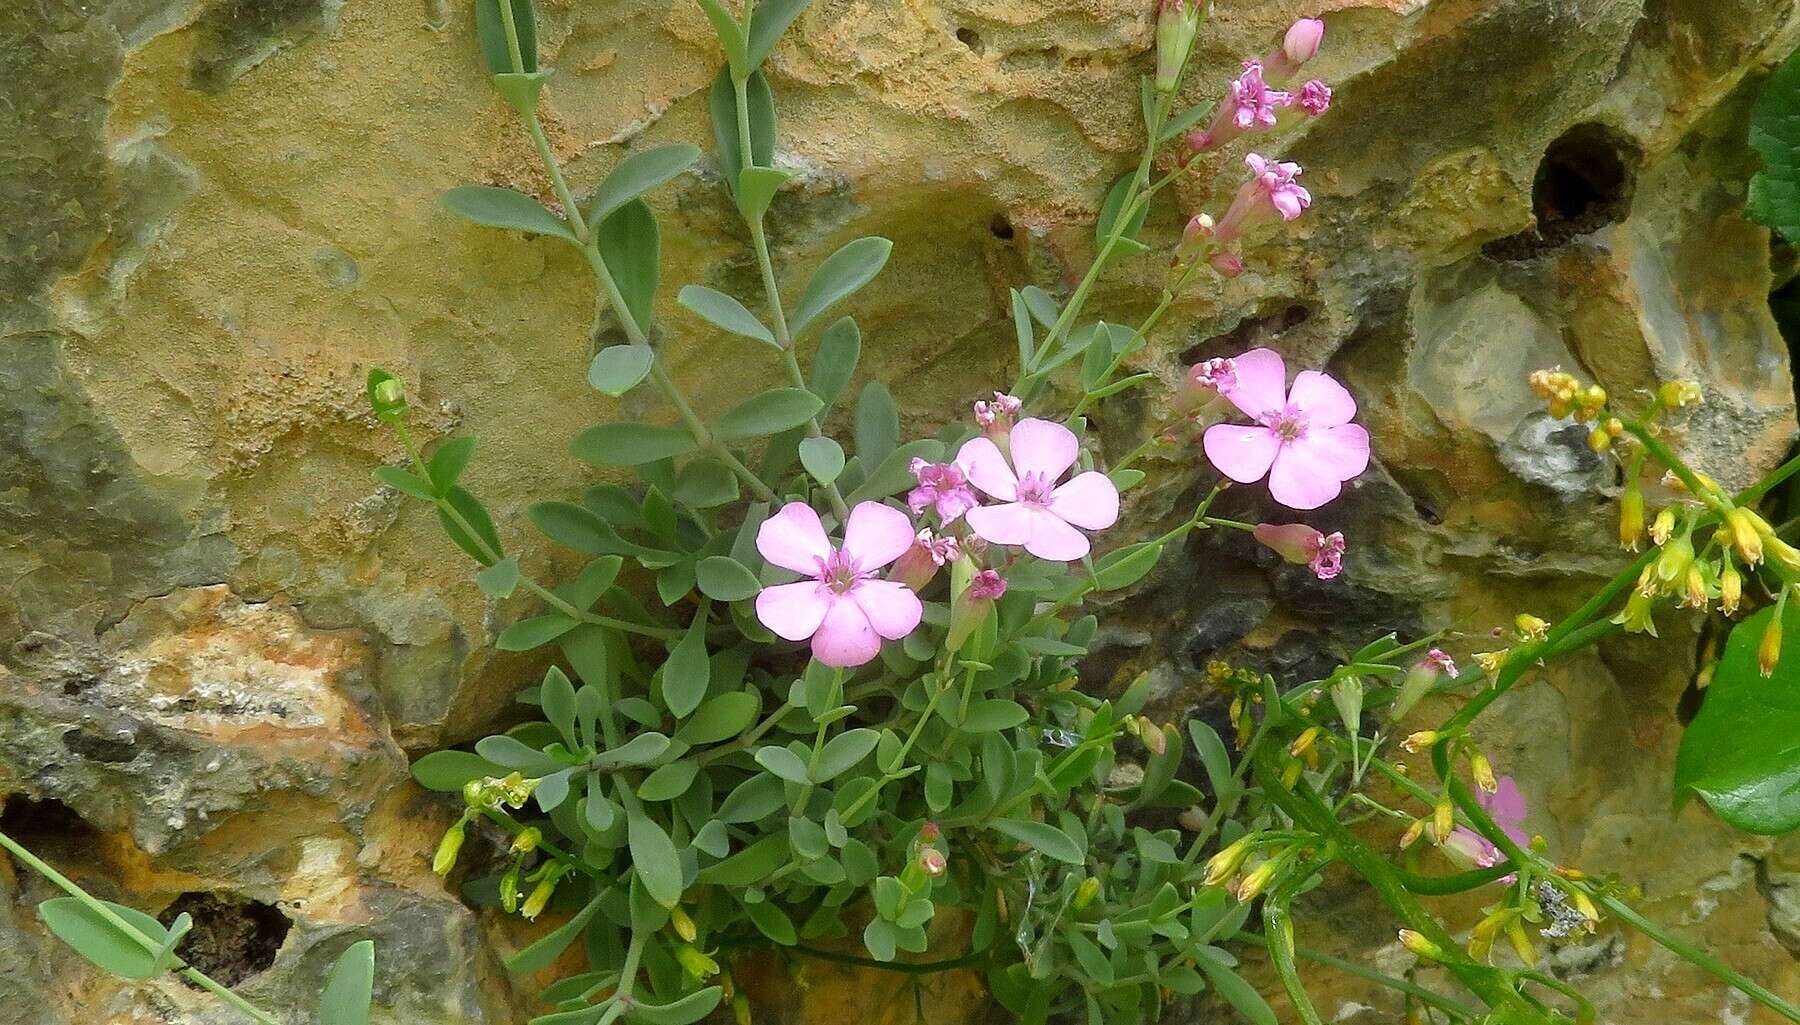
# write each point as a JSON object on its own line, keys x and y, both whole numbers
{"x": 1399, "y": 985}
{"x": 125, "y": 928}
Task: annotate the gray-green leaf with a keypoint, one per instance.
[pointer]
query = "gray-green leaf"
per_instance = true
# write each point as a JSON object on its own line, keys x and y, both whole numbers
{"x": 617, "y": 369}
{"x": 639, "y": 173}
{"x": 842, "y": 273}
{"x": 504, "y": 208}
{"x": 724, "y": 312}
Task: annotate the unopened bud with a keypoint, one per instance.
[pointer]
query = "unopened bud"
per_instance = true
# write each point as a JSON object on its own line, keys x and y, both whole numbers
{"x": 509, "y": 889}
{"x": 1224, "y": 864}
{"x": 1412, "y": 834}
{"x": 449, "y": 847}
{"x": 1744, "y": 536}
{"x": 1600, "y": 439}
{"x": 1086, "y": 892}
{"x": 1421, "y": 946}
{"x": 1585, "y": 906}
{"x": 1781, "y": 553}
{"x": 1731, "y": 589}
{"x": 1483, "y": 771}
{"x": 1258, "y": 880}
{"x": 1768, "y": 653}
{"x": 1304, "y": 741}
{"x": 387, "y": 396}
{"x": 1443, "y": 819}
{"x": 1416, "y": 742}
{"x": 1663, "y": 525}
{"x": 1177, "y": 22}
{"x": 540, "y": 897}
{"x": 684, "y": 925}
{"x": 527, "y": 840}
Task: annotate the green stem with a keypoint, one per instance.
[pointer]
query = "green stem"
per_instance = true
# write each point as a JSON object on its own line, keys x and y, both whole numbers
{"x": 125, "y": 928}
{"x": 1277, "y": 926}
{"x": 1399, "y": 985}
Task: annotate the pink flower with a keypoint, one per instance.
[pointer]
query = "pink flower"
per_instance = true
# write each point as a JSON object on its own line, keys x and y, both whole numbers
{"x": 942, "y": 486}
{"x": 999, "y": 412}
{"x": 987, "y": 585}
{"x": 843, "y": 608}
{"x": 1271, "y": 191}
{"x": 1217, "y": 375}
{"x": 1506, "y": 806}
{"x": 927, "y": 555}
{"x": 1315, "y": 98}
{"x": 1299, "y": 45}
{"x": 1251, "y": 106}
{"x": 1302, "y": 440}
{"x": 1436, "y": 659}
{"x": 1303, "y": 546}
{"x": 1038, "y": 515}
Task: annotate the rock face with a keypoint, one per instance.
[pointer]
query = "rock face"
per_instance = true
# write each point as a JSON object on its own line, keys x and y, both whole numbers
{"x": 219, "y": 638}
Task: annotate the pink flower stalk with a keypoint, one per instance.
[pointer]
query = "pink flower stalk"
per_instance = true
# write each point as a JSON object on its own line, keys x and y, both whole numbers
{"x": 1506, "y": 806}
{"x": 1299, "y": 45}
{"x": 1315, "y": 98}
{"x": 1271, "y": 191}
{"x": 1436, "y": 659}
{"x": 1251, "y": 106}
{"x": 843, "y": 608}
{"x": 1302, "y": 440}
{"x": 987, "y": 585}
{"x": 942, "y": 486}
{"x": 1037, "y": 514}
{"x": 927, "y": 555}
{"x": 1303, "y": 546}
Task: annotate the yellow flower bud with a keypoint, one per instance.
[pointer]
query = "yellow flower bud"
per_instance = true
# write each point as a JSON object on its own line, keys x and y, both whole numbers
{"x": 1412, "y": 834}
{"x": 1744, "y": 535}
{"x": 1483, "y": 772}
{"x": 1768, "y": 653}
{"x": 1663, "y": 525}
{"x": 1420, "y": 945}
{"x": 509, "y": 889}
{"x": 1443, "y": 819}
{"x": 540, "y": 898}
{"x": 1290, "y": 774}
{"x": 684, "y": 925}
{"x": 1224, "y": 864}
{"x": 1086, "y": 892}
{"x": 527, "y": 840}
{"x": 449, "y": 847}
{"x": 1781, "y": 552}
{"x": 1258, "y": 880}
{"x": 1599, "y": 440}
{"x": 1586, "y": 907}
{"x": 1416, "y": 742}
{"x": 1631, "y": 517}
{"x": 1304, "y": 741}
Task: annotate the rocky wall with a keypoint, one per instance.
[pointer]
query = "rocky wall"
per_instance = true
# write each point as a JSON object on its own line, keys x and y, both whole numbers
{"x": 220, "y": 639}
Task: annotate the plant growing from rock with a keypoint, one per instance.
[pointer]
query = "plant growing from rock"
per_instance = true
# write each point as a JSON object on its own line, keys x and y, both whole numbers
{"x": 846, "y": 726}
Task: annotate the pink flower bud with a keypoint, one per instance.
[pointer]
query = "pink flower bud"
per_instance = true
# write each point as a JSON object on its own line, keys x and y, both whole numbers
{"x": 1303, "y": 546}
{"x": 920, "y": 563}
{"x": 930, "y": 832}
{"x": 1299, "y": 45}
{"x": 996, "y": 418}
{"x": 932, "y": 861}
{"x": 1228, "y": 264}
{"x": 987, "y": 585}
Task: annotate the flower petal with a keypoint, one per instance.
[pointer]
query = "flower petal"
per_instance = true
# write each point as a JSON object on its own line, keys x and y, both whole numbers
{"x": 1261, "y": 382}
{"x": 1008, "y": 524}
{"x": 794, "y": 539}
{"x": 1053, "y": 540}
{"x": 986, "y": 468}
{"x": 845, "y": 639}
{"x": 1044, "y": 447}
{"x": 876, "y": 535}
{"x": 1506, "y": 804}
{"x": 1090, "y": 501}
{"x": 793, "y": 611}
{"x": 891, "y": 607}
{"x": 1241, "y": 453}
{"x": 1309, "y": 472}
{"x": 1325, "y": 402}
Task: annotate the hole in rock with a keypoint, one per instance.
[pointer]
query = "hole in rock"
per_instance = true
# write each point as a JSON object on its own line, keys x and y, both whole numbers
{"x": 969, "y": 38}
{"x": 1001, "y": 228}
{"x": 1583, "y": 184}
{"x": 47, "y": 825}
{"x": 232, "y": 939}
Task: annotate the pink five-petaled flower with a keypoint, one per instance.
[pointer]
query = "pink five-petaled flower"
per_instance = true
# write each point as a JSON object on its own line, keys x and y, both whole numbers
{"x": 1037, "y": 514}
{"x": 1303, "y": 546}
{"x": 843, "y": 608}
{"x": 942, "y": 486}
{"x": 1506, "y": 806}
{"x": 1302, "y": 439}
{"x": 1272, "y": 191}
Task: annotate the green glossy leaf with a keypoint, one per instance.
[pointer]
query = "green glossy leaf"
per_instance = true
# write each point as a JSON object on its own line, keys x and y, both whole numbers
{"x": 500, "y": 579}
{"x": 630, "y": 444}
{"x": 541, "y": 954}
{"x": 447, "y": 771}
{"x": 772, "y": 922}
{"x": 100, "y": 941}
{"x": 705, "y": 484}
{"x": 688, "y": 671}
{"x": 447, "y": 464}
{"x": 1043, "y": 837}
{"x": 1187, "y": 119}
{"x": 756, "y": 190}
{"x": 731, "y": 35}
{"x": 783, "y": 763}
{"x": 631, "y": 247}
{"x": 349, "y": 987}
{"x": 1774, "y": 197}
{"x": 840, "y": 348}
{"x": 823, "y": 458}
{"x": 669, "y": 781}
{"x": 839, "y": 277}
{"x": 504, "y": 208}
{"x": 771, "y": 20}
{"x": 484, "y": 545}
{"x": 513, "y": 753}
{"x": 1127, "y": 566}
{"x": 771, "y": 412}
{"x": 617, "y": 369}
{"x": 877, "y": 424}
{"x": 404, "y": 482}
{"x": 557, "y": 698}
{"x": 1110, "y": 211}
{"x": 534, "y": 632}
{"x": 1741, "y": 754}
{"x": 726, "y": 579}
{"x": 639, "y": 750}
{"x": 592, "y": 582}
{"x": 490, "y": 30}
{"x": 685, "y": 1011}
{"x": 993, "y": 714}
{"x": 842, "y": 752}
{"x": 720, "y": 718}
{"x": 639, "y": 173}
{"x": 654, "y": 856}
{"x": 724, "y": 313}
{"x": 722, "y": 104}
